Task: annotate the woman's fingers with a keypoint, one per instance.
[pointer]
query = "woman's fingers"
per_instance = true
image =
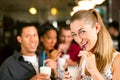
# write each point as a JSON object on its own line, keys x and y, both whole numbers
{"x": 51, "y": 63}
{"x": 84, "y": 54}
{"x": 55, "y": 54}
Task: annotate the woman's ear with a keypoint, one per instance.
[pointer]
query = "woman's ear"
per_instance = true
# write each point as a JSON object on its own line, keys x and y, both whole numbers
{"x": 19, "y": 39}
{"x": 97, "y": 26}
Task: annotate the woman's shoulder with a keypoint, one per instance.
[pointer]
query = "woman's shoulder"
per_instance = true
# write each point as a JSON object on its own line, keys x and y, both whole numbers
{"x": 116, "y": 62}
{"x": 117, "y": 56}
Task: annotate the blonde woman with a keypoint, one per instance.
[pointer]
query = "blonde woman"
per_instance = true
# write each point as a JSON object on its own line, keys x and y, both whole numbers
{"x": 100, "y": 59}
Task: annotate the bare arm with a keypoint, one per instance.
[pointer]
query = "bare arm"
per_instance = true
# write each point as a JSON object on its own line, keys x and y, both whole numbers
{"x": 116, "y": 68}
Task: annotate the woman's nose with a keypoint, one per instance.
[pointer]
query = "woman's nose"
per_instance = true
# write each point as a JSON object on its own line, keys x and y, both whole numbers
{"x": 78, "y": 40}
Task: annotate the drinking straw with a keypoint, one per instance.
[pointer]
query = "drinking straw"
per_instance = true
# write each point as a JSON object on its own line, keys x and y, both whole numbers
{"x": 44, "y": 57}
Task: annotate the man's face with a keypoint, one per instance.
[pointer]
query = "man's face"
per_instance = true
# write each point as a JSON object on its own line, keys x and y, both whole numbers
{"x": 28, "y": 40}
{"x": 66, "y": 36}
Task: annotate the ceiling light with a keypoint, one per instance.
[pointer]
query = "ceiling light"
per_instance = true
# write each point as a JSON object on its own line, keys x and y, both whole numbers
{"x": 33, "y": 10}
{"x": 98, "y": 2}
{"x": 54, "y": 11}
{"x": 86, "y": 4}
{"x": 72, "y": 12}
{"x": 83, "y": 5}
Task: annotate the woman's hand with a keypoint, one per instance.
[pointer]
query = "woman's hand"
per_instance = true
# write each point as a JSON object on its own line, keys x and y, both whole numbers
{"x": 90, "y": 61}
{"x": 91, "y": 65}
{"x": 55, "y": 54}
{"x": 62, "y": 47}
{"x": 51, "y": 63}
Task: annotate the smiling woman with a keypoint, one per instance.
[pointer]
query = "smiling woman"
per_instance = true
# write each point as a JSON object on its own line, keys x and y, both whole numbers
{"x": 48, "y": 36}
{"x": 100, "y": 59}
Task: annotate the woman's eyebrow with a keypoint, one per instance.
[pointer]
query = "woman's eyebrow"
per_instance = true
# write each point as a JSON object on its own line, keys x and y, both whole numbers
{"x": 80, "y": 29}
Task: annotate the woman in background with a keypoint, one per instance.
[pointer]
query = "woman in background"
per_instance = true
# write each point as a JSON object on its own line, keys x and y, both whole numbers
{"x": 48, "y": 36}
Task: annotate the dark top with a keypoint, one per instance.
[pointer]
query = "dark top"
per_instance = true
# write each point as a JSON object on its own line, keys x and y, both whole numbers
{"x": 15, "y": 68}
{"x": 116, "y": 39}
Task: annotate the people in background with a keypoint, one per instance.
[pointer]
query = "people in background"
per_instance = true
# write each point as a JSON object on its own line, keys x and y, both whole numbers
{"x": 48, "y": 36}
{"x": 68, "y": 46}
{"x": 113, "y": 29}
{"x": 24, "y": 64}
{"x": 69, "y": 50}
{"x": 99, "y": 59}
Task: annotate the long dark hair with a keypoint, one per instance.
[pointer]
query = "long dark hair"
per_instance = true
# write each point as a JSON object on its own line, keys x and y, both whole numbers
{"x": 43, "y": 29}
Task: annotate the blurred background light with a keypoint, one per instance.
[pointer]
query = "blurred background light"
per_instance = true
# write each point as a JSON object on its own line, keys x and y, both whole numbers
{"x": 86, "y": 5}
{"x": 33, "y": 10}
{"x": 54, "y": 11}
{"x": 98, "y": 2}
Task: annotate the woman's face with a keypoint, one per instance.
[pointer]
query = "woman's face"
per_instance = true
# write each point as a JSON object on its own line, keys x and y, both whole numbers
{"x": 49, "y": 39}
{"x": 84, "y": 34}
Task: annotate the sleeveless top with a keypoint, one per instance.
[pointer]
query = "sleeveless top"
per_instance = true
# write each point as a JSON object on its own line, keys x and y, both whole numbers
{"x": 107, "y": 73}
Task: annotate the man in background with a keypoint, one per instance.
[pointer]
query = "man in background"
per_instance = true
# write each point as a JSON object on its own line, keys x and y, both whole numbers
{"x": 25, "y": 63}
{"x": 113, "y": 29}
{"x": 68, "y": 46}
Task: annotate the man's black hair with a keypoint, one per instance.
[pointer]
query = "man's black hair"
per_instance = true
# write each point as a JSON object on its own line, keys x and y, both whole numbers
{"x": 114, "y": 24}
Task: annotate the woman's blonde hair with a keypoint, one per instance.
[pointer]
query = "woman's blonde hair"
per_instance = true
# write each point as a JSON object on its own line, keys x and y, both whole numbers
{"x": 103, "y": 49}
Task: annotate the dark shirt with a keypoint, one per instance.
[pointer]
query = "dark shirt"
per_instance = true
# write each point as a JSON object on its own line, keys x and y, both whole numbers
{"x": 73, "y": 51}
{"x": 116, "y": 39}
{"x": 15, "y": 68}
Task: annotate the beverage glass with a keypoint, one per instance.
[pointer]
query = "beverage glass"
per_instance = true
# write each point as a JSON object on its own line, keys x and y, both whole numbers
{"x": 75, "y": 72}
{"x": 45, "y": 70}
